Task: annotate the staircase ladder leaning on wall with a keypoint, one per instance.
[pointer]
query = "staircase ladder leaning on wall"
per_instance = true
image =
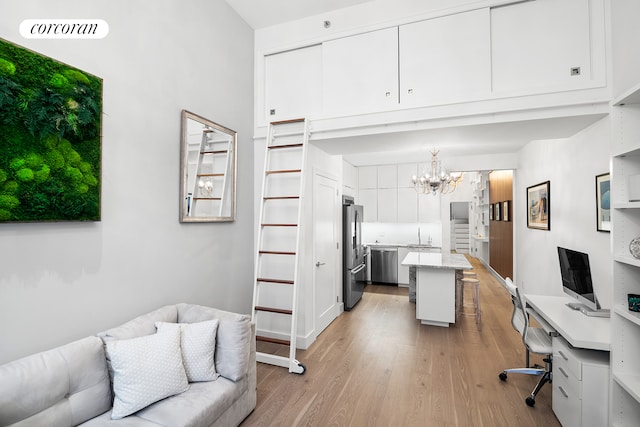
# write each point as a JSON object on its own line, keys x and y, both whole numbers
{"x": 277, "y": 273}
{"x": 208, "y": 171}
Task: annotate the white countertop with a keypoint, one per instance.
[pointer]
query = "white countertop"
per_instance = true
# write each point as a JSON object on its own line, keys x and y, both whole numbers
{"x": 437, "y": 260}
{"x": 400, "y": 245}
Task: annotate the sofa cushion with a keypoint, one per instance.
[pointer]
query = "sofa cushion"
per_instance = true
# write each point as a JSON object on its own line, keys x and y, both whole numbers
{"x": 145, "y": 369}
{"x": 233, "y": 340}
{"x": 198, "y": 344}
{"x": 63, "y": 386}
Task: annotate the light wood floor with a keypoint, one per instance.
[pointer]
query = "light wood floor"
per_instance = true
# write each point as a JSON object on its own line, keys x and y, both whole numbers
{"x": 378, "y": 366}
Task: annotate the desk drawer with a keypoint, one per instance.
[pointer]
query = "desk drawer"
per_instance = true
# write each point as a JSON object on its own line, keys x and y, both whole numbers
{"x": 564, "y": 356}
{"x": 566, "y": 403}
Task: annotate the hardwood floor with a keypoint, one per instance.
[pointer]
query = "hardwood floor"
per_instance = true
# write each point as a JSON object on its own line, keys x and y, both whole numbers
{"x": 378, "y": 366}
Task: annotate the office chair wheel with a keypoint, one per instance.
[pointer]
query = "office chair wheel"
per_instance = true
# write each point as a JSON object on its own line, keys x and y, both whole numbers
{"x": 530, "y": 401}
{"x": 503, "y": 376}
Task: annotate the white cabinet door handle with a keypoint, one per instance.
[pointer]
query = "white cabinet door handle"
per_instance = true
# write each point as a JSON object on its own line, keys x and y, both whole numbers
{"x": 564, "y": 393}
{"x": 562, "y": 354}
{"x": 563, "y": 372}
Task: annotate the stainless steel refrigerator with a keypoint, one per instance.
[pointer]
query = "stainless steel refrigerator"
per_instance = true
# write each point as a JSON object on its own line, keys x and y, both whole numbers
{"x": 354, "y": 274}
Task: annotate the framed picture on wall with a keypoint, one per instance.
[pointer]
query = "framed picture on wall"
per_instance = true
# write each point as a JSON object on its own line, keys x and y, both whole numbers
{"x": 603, "y": 203}
{"x": 491, "y": 212}
{"x": 538, "y": 206}
{"x": 506, "y": 215}
{"x": 497, "y": 213}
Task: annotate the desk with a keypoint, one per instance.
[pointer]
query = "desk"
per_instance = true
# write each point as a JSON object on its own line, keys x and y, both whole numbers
{"x": 434, "y": 279}
{"x": 580, "y": 394}
{"x": 581, "y": 331}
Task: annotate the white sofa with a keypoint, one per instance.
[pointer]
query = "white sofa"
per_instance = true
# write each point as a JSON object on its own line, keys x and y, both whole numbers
{"x": 71, "y": 385}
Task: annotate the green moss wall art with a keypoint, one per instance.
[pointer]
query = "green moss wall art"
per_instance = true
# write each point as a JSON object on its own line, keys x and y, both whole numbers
{"x": 49, "y": 139}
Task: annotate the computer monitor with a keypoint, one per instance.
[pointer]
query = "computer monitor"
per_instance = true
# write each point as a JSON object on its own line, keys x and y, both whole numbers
{"x": 576, "y": 279}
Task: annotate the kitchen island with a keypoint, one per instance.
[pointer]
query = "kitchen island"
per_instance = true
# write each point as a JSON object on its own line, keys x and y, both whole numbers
{"x": 433, "y": 276}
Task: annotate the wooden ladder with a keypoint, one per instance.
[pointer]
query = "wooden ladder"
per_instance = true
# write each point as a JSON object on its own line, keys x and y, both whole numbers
{"x": 210, "y": 182}
{"x": 277, "y": 262}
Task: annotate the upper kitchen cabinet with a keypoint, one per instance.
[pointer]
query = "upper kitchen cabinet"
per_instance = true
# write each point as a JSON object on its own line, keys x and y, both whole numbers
{"x": 542, "y": 46}
{"x": 388, "y": 176}
{"x": 446, "y": 59}
{"x": 360, "y": 73}
{"x": 368, "y": 177}
{"x": 293, "y": 84}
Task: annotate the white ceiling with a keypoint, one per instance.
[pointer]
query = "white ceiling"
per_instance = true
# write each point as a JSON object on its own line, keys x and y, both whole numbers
{"x": 265, "y": 13}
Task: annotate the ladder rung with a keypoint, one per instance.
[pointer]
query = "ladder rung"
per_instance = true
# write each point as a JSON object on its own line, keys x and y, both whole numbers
{"x": 276, "y": 253}
{"x": 214, "y": 152}
{"x": 282, "y": 122}
{"x": 286, "y": 282}
{"x": 279, "y": 225}
{"x": 274, "y": 147}
{"x": 210, "y": 174}
{"x": 273, "y": 310}
{"x": 273, "y": 340}
{"x": 207, "y": 198}
{"x": 283, "y": 171}
{"x": 281, "y": 197}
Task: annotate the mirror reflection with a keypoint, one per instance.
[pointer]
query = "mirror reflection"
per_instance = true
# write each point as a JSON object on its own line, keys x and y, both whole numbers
{"x": 208, "y": 170}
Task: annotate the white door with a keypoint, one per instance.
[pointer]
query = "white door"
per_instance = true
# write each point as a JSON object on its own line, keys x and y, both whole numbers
{"x": 326, "y": 235}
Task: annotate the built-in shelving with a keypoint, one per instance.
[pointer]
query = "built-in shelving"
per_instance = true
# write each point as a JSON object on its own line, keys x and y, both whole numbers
{"x": 625, "y": 324}
{"x": 480, "y": 234}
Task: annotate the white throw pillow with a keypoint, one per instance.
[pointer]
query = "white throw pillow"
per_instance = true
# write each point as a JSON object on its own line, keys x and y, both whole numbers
{"x": 198, "y": 342}
{"x": 145, "y": 369}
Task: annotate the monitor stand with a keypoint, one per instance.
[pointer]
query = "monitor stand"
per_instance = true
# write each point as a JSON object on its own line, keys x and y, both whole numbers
{"x": 587, "y": 311}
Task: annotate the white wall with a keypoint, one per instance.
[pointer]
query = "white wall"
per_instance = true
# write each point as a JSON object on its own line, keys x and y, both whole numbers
{"x": 571, "y": 166}
{"x": 63, "y": 281}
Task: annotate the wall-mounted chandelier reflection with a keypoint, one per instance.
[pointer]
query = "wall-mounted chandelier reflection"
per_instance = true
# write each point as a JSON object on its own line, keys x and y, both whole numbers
{"x": 437, "y": 180}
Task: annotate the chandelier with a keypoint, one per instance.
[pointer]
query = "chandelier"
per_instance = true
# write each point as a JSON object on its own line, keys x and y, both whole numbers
{"x": 438, "y": 181}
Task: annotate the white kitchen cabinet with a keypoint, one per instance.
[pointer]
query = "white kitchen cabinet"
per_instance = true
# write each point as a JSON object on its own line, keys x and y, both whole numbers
{"x": 535, "y": 46}
{"x": 368, "y": 198}
{"x": 406, "y": 171}
{"x": 388, "y": 176}
{"x": 368, "y": 177}
{"x": 293, "y": 84}
{"x": 407, "y": 205}
{"x": 429, "y": 208}
{"x": 445, "y": 59}
{"x": 387, "y": 204}
{"x": 580, "y": 385}
{"x": 360, "y": 73}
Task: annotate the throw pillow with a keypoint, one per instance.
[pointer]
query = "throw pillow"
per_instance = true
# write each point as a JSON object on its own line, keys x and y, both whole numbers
{"x": 145, "y": 370}
{"x": 198, "y": 342}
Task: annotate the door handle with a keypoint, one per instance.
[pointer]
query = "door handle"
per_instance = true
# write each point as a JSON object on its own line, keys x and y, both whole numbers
{"x": 318, "y": 264}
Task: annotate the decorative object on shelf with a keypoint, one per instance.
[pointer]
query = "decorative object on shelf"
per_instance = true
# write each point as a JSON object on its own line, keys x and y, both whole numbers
{"x": 634, "y": 247}
{"x": 207, "y": 171}
{"x": 50, "y": 160}
{"x": 437, "y": 180}
{"x": 633, "y": 188}
{"x": 603, "y": 202}
{"x": 497, "y": 215}
{"x": 506, "y": 216}
{"x": 539, "y": 206}
{"x": 491, "y": 210}
{"x": 634, "y": 302}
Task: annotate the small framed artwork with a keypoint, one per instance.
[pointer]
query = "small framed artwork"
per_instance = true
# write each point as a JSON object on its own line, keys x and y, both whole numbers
{"x": 497, "y": 214}
{"x": 506, "y": 215}
{"x": 603, "y": 203}
{"x": 491, "y": 212}
{"x": 539, "y": 206}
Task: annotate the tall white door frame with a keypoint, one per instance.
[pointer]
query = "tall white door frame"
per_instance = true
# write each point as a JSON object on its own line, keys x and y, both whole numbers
{"x": 326, "y": 250}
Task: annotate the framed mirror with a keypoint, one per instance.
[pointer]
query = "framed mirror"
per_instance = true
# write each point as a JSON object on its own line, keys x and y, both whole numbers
{"x": 207, "y": 170}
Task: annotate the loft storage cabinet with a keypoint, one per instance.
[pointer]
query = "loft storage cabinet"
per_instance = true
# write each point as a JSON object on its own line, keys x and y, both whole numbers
{"x": 360, "y": 73}
{"x": 535, "y": 45}
{"x": 445, "y": 59}
{"x": 625, "y": 324}
{"x": 293, "y": 84}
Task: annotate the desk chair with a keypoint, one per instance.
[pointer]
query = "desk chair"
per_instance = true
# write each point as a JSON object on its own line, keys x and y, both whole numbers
{"x": 536, "y": 340}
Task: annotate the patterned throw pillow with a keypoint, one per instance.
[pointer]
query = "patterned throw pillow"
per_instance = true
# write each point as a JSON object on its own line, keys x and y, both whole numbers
{"x": 198, "y": 342}
{"x": 145, "y": 370}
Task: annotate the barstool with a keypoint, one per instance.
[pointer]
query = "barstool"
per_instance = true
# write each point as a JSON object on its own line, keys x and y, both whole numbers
{"x": 463, "y": 279}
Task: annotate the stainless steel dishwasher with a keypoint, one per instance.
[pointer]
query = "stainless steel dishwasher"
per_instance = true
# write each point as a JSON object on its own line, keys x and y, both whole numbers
{"x": 384, "y": 265}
